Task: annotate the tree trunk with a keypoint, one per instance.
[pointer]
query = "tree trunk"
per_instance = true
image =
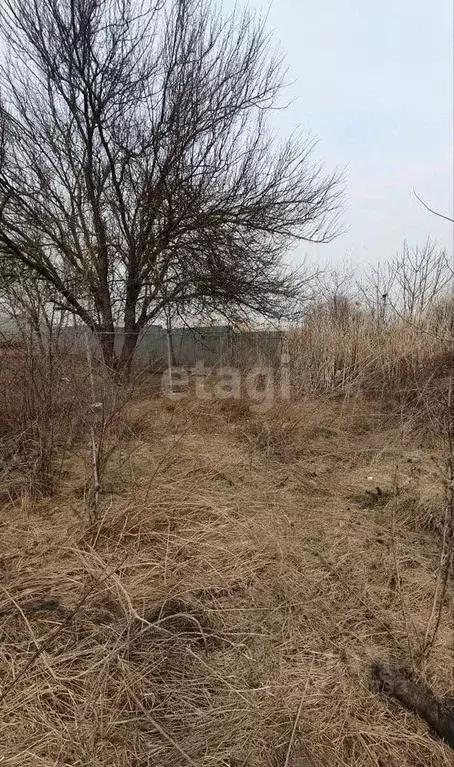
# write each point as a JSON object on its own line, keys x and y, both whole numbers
{"x": 107, "y": 343}
{"x": 132, "y": 327}
{"x": 126, "y": 358}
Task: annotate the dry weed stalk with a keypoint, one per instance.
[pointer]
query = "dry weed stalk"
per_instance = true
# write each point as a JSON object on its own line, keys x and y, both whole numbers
{"x": 409, "y": 624}
{"x": 447, "y": 548}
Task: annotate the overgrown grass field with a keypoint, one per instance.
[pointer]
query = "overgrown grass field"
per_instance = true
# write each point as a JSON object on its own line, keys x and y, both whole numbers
{"x": 220, "y": 600}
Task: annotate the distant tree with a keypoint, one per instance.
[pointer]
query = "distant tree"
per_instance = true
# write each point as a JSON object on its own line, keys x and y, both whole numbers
{"x": 336, "y": 291}
{"x": 422, "y": 275}
{"x": 376, "y": 289}
{"x": 409, "y": 283}
{"x": 137, "y": 172}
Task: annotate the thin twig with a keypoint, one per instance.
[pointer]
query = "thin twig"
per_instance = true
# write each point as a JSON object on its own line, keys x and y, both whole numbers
{"x": 372, "y": 613}
{"x": 164, "y": 734}
{"x": 406, "y": 617}
{"x": 93, "y": 446}
{"x": 298, "y": 715}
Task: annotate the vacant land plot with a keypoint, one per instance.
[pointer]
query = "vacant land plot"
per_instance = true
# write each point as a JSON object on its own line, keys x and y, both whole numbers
{"x": 224, "y": 602}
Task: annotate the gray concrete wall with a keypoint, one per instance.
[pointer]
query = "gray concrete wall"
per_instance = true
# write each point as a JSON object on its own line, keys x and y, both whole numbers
{"x": 214, "y": 345}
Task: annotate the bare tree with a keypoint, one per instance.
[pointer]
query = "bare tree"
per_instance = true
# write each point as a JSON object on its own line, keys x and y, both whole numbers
{"x": 408, "y": 284}
{"x": 422, "y": 275}
{"x": 137, "y": 169}
{"x": 376, "y": 291}
{"x": 336, "y": 289}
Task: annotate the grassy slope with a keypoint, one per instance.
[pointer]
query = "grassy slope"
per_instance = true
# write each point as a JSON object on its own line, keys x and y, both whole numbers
{"x": 270, "y": 572}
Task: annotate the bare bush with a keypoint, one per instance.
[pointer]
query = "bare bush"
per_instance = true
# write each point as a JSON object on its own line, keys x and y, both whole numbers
{"x": 38, "y": 418}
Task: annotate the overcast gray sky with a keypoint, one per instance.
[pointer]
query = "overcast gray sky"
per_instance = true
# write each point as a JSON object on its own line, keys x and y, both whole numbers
{"x": 374, "y": 82}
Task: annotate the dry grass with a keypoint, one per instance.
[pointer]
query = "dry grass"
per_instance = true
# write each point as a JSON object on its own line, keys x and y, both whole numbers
{"x": 337, "y": 351}
{"x": 225, "y": 606}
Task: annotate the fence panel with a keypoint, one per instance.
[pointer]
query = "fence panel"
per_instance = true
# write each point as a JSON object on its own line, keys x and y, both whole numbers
{"x": 211, "y": 345}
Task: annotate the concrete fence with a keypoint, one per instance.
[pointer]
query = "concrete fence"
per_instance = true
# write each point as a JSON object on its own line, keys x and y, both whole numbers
{"x": 185, "y": 346}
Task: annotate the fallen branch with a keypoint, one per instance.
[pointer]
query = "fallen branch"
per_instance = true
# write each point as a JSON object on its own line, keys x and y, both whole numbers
{"x": 392, "y": 683}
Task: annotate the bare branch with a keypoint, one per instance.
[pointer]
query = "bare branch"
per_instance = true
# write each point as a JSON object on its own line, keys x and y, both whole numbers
{"x": 435, "y": 213}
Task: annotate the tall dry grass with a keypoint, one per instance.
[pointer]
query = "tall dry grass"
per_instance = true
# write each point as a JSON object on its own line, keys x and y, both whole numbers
{"x": 223, "y": 603}
{"x": 340, "y": 347}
